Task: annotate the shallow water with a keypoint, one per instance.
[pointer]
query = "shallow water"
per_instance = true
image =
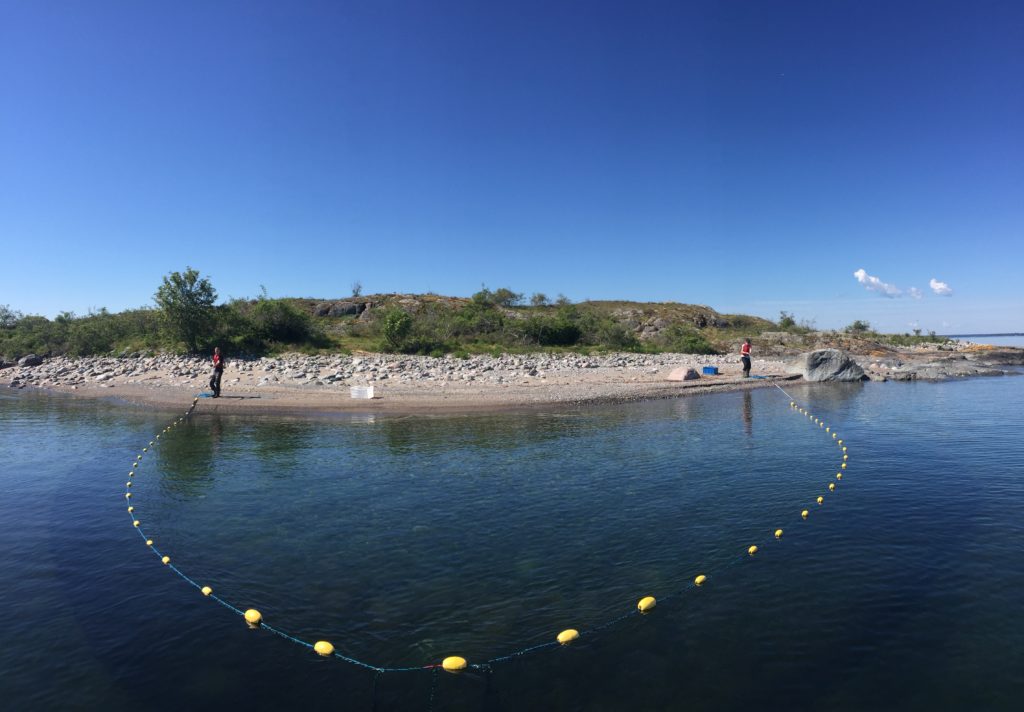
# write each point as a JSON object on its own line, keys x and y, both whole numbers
{"x": 403, "y": 540}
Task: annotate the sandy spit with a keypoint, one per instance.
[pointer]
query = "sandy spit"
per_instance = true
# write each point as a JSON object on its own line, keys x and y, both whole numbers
{"x": 317, "y": 385}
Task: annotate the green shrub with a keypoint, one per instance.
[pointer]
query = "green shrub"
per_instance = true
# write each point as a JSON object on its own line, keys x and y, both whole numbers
{"x": 277, "y": 320}
{"x": 685, "y": 340}
{"x": 98, "y": 333}
{"x": 551, "y": 331}
{"x": 395, "y": 328}
{"x": 478, "y": 318}
{"x": 9, "y": 317}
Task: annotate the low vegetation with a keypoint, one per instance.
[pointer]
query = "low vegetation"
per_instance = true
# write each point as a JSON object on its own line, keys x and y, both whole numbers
{"x": 185, "y": 318}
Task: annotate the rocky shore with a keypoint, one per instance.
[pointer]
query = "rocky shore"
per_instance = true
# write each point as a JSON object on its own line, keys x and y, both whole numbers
{"x": 401, "y": 383}
{"x": 297, "y": 382}
{"x": 966, "y": 360}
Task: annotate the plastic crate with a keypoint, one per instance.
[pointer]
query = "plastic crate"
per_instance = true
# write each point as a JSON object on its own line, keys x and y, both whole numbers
{"x": 710, "y": 370}
{"x": 361, "y": 391}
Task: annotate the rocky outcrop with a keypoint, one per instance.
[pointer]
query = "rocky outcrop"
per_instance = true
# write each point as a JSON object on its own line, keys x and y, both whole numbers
{"x": 345, "y": 308}
{"x": 828, "y": 365}
{"x": 929, "y": 368}
{"x": 30, "y": 360}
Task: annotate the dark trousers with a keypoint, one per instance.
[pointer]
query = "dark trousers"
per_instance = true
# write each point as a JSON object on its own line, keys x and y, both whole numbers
{"x": 746, "y": 366}
{"x": 215, "y": 382}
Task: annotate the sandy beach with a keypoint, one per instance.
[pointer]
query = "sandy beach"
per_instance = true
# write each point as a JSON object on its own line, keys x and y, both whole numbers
{"x": 295, "y": 384}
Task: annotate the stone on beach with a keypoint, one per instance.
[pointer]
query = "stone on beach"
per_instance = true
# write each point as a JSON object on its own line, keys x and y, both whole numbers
{"x": 683, "y": 374}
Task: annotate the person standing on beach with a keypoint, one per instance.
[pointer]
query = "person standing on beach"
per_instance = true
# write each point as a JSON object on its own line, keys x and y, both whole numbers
{"x": 745, "y": 357}
{"x": 218, "y": 371}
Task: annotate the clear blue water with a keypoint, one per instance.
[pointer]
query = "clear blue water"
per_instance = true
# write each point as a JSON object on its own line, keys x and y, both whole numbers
{"x": 406, "y": 539}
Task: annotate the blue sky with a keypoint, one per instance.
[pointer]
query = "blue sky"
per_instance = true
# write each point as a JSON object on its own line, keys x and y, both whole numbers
{"x": 751, "y": 156}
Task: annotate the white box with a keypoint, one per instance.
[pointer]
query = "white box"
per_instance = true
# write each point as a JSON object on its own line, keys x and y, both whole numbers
{"x": 361, "y": 391}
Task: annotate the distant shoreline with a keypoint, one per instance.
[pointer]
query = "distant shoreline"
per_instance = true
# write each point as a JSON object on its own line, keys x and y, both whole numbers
{"x": 983, "y": 336}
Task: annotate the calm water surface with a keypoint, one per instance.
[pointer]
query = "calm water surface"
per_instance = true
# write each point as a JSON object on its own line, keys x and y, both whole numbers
{"x": 406, "y": 539}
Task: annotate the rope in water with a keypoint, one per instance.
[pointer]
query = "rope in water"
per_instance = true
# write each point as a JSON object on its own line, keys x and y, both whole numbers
{"x": 456, "y": 663}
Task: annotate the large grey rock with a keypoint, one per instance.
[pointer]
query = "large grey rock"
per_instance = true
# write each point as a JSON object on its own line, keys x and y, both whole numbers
{"x": 828, "y": 365}
{"x": 683, "y": 374}
{"x": 346, "y": 308}
{"x": 30, "y": 360}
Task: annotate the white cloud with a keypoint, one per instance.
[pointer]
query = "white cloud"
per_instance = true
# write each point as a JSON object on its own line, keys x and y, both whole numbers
{"x": 914, "y": 292}
{"x": 940, "y": 288}
{"x": 874, "y": 284}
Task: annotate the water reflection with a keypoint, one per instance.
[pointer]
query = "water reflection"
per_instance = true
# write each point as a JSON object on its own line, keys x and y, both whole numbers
{"x": 186, "y": 455}
{"x": 748, "y": 413}
{"x": 504, "y": 432}
{"x": 273, "y": 440}
{"x": 832, "y": 395}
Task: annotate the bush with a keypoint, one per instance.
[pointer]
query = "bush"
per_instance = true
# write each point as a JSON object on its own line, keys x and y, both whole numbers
{"x": 614, "y": 335}
{"x": 507, "y": 298}
{"x": 503, "y": 296}
{"x": 551, "y": 331}
{"x": 98, "y": 333}
{"x": 395, "y": 328}
{"x": 8, "y": 317}
{"x": 277, "y": 320}
{"x": 684, "y": 340}
{"x": 478, "y": 318}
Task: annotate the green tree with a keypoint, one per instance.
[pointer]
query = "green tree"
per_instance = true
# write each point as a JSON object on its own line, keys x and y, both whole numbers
{"x": 859, "y": 327}
{"x": 186, "y": 302}
{"x": 506, "y": 297}
{"x": 786, "y": 320}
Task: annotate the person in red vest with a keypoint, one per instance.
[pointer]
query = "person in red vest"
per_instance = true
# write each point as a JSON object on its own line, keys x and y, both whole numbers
{"x": 218, "y": 371}
{"x": 745, "y": 357}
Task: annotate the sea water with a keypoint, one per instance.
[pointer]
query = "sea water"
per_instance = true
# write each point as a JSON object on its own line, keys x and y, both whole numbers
{"x": 406, "y": 539}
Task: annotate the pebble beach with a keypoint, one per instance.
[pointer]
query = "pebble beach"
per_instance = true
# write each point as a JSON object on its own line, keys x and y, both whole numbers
{"x": 295, "y": 383}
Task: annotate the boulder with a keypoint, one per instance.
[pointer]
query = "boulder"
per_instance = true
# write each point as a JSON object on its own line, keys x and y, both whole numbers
{"x": 827, "y": 365}
{"x": 346, "y": 308}
{"x": 683, "y": 374}
{"x": 30, "y": 360}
